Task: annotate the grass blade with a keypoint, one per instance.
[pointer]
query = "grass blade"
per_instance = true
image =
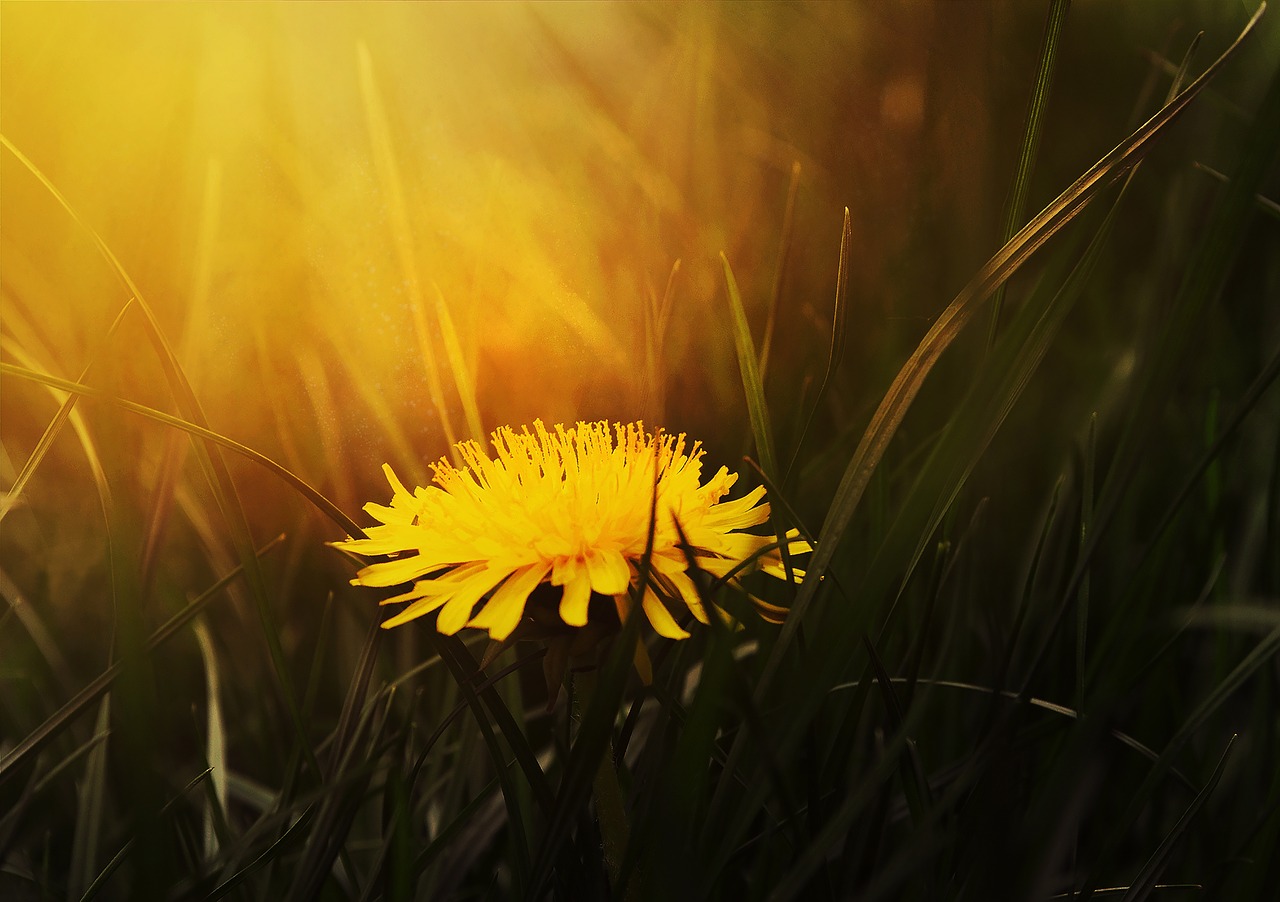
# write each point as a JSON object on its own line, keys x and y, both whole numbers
{"x": 1144, "y": 883}
{"x": 780, "y": 269}
{"x": 1030, "y": 147}
{"x": 319, "y": 501}
{"x": 751, "y": 383}
{"x": 37, "y": 739}
{"x": 884, "y": 423}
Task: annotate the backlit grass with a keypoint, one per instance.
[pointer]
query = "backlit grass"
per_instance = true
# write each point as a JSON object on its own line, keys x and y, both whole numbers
{"x": 982, "y": 295}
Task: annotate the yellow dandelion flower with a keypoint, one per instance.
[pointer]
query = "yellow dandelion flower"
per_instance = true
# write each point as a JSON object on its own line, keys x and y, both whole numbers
{"x": 569, "y": 508}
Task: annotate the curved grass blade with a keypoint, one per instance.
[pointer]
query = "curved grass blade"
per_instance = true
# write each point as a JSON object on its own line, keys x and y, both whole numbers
{"x": 893, "y": 408}
{"x": 59, "y": 420}
{"x": 212, "y": 464}
{"x": 319, "y": 501}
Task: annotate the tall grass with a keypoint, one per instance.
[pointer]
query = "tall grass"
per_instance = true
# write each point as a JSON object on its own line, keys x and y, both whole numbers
{"x": 1035, "y": 651}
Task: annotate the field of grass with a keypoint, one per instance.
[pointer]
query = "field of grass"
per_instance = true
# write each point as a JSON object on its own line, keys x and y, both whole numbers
{"x": 986, "y": 295}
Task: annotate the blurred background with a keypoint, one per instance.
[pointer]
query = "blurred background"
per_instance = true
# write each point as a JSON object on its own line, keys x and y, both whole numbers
{"x": 299, "y": 189}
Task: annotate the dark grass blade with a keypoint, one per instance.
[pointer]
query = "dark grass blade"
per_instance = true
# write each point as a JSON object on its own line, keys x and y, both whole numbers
{"x": 839, "y": 323}
{"x": 906, "y": 386}
{"x": 1202, "y": 279}
{"x": 12, "y": 818}
{"x": 1086, "y": 524}
{"x": 100, "y": 880}
{"x": 343, "y": 793}
{"x": 1030, "y": 146}
{"x": 1144, "y": 883}
{"x": 510, "y": 793}
{"x": 779, "y": 270}
{"x": 455, "y": 826}
{"x": 914, "y": 781}
{"x": 39, "y": 737}
{"x": 87, "y": 839}
{"x": 752, "y": 385}
{"x": 589, "y": 747}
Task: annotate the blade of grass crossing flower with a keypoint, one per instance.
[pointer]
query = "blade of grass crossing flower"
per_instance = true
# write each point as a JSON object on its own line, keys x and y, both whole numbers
{"x": 906, "y": 386}
{"x": 1144, "y": 883}
{"x": 780, "y": 269}
{"x": 751, "y": 384}
{"x": 1027, "y": 152}
{"x": 212, "y": 464}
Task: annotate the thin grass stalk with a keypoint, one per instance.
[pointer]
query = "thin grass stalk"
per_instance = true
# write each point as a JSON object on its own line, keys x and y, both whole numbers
{"x": 1030, "y": 147}
{"x": 780, "y": 269}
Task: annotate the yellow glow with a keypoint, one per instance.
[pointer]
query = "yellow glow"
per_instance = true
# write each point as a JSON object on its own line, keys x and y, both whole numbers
{"x": 297, "y": 188}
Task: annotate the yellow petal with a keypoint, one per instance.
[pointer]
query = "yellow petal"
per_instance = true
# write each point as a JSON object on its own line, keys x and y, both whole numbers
{"x": 576, "y": 598}
{"x": 660, "y": 617}
{"x": 415, "y": 610}
{"x": 457, "y": 610}
{"x": 393, "y": 573}
{"x": 503, "y": 611}
{"x": 689, "y": 594}
{"x": 609, "y": 572}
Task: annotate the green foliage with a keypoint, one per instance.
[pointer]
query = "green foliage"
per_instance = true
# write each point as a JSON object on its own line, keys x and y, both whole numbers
{"x": 1035, "y": 652}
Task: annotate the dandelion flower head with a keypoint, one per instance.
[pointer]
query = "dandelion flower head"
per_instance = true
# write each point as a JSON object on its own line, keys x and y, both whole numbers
{"x": 570, "y": 507}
